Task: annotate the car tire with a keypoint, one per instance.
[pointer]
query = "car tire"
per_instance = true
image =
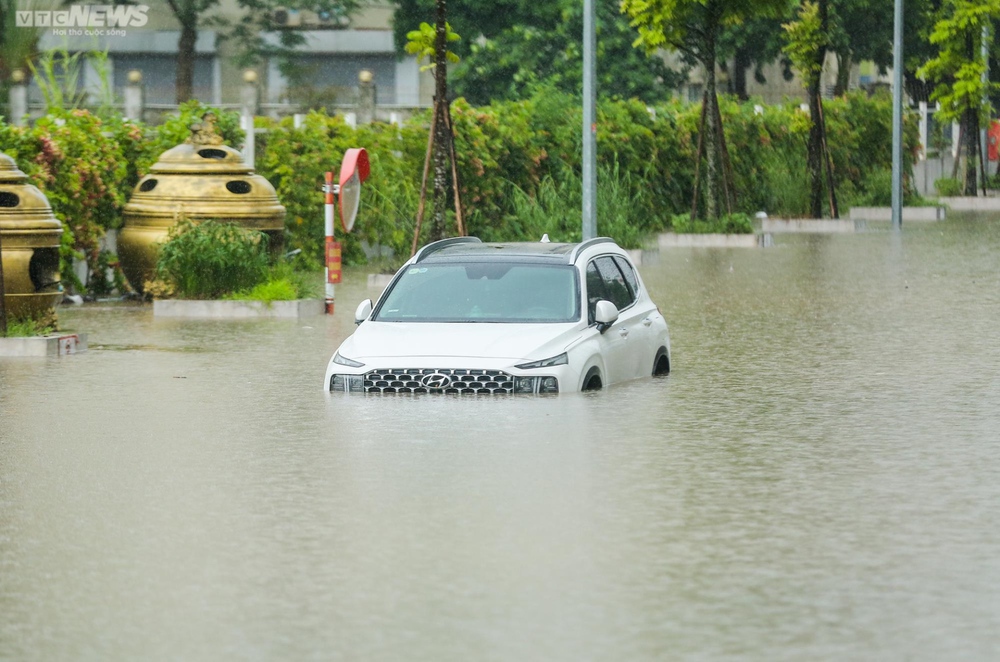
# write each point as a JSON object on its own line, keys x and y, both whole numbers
{"x": 661, "y": 364}
{"x": 593, "y": 382}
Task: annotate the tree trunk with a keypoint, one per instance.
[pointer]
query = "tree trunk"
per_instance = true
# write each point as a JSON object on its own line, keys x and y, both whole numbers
{"x": 831, "y": 187}
{"x": 844, "y": 61}
{"x": 698, "y": 154}
{"x": 713, "y": 165}
{"x": 971, "y": 138}
{"x": 423, "y": 183}
{"x": 741, "y": 62}
{"x": 185, "y": 58}
{"x": 440, "y": 125}
{"x": 917, "y": 89}
{"x": 814, "y": 153}
{"x": 970, "y": 118}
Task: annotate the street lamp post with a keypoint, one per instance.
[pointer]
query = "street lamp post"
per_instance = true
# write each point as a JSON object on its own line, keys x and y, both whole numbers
{"x": 589, "y": 125}
{"x": 897, "y": 118}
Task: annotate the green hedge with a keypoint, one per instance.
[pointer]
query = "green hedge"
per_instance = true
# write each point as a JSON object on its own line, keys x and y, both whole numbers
{"x": 518, "y": 164}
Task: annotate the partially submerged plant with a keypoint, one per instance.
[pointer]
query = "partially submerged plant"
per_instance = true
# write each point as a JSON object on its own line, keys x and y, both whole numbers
{"x": 28, "y": 327}
{"x": 738, "y": 223}
{"x": 283, "y": 284}
{"x": 210, "y": 259}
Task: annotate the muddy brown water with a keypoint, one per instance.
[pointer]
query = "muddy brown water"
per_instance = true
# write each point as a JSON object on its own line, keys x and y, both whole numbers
{"x": 818, "y": 479}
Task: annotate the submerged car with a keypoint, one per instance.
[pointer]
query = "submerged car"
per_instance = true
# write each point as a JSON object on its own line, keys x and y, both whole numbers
{"x": 462, "y": 316}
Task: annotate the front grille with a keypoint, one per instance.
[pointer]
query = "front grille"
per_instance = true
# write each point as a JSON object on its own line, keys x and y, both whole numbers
{"x": 438, "y": 380}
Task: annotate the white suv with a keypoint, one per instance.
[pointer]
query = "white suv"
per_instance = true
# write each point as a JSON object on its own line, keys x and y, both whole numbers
{"x": 462, "y": 316}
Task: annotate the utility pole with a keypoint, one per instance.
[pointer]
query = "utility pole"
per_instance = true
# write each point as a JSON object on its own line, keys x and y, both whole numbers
{"x": 984, "y": 48}
{"x": 589, "y": 125}
{"x": 897, "y": 118}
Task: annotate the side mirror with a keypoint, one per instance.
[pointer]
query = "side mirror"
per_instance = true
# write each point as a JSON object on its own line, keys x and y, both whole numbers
{"x": 605, "y": 314}
{"x": 363, "y": 311}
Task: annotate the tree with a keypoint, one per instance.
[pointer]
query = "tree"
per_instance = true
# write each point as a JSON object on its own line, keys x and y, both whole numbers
{"x": 189, "y": 14}
{"x": 918, "y": 23}
{"x": 433, "y": 42}
{"x": 958, "y": 72}
{"x": 257, "y": 20}
{"x": 808, "y": 37}
{"x": 248, "y": 32}
{"x": 862, "y": 30}
{"x": 858, "y": 30}
{"x": 692, "y": 27}
{"x": 513, "y": 63}
{"x": 17, "y": 44}
{"x": 474, "y": 19}
{"x": 513, "y": 46}
{"x": 752, "y": 43}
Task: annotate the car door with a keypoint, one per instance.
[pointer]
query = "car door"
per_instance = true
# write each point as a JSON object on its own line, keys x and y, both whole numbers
{"x": 612, "y": 345}
{"x": 605, "y": 281}
{"x": 643, "y": 340}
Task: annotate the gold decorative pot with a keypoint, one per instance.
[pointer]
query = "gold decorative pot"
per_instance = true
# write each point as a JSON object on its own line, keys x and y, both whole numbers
{"x": 29, "y": 245}
{"x": 200, "y": 179}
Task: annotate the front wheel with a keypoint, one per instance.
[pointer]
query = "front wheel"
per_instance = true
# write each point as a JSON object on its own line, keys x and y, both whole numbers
{"x": 592, "y": 382}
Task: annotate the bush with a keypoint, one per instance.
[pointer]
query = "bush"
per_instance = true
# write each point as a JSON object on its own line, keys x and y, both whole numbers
{"x": 947, "y": 187}
{"x": 731, "y": 224}
{"x": 78, "y": 162}
{"x": 519, "y": 168}
{"x": 210, "y": 259}
{"x": 295, "y": 160}
{"x": 177, "y": 128}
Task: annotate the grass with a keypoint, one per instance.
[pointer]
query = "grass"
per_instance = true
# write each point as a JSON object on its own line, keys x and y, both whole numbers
{"x": 28, "y": 328}
{"x": 283, "y": 284}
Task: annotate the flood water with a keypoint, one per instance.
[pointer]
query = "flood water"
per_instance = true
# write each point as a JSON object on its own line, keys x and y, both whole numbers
{"x": 818, "y": 479}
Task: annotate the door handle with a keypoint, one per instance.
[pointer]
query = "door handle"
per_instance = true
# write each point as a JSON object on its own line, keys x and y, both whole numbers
{"x": 647, "y": 322}
{"x": 623, "y": 333}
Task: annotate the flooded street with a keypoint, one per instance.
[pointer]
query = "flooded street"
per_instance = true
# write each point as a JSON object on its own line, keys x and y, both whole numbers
{"x": 818, "y": 479}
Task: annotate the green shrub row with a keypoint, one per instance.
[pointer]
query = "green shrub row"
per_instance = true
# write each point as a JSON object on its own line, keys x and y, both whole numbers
{"x": 519, "y": 168}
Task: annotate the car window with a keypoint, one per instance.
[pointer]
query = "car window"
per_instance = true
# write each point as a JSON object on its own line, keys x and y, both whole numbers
{"x": 615, "y": 287}
{"x": 483, "y": 292}
{"x": 629, "y": 273}
{"x": 596, "y": 290}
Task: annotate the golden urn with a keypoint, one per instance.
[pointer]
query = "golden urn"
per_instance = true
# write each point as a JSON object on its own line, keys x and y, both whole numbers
{"x": 29, "y": 245}
{"x": 200, "y": 179}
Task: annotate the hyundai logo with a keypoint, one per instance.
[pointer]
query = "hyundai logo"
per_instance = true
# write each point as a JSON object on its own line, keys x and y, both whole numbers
{"x": 436, "y": 380}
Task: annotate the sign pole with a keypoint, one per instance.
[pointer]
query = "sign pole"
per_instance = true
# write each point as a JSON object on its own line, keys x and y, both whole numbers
{"x": 330, "y": 243}
{"x": 353, "y": 171}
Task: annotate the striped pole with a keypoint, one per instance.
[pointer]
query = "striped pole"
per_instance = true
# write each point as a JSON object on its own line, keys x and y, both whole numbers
{"x": 328, "y": 224}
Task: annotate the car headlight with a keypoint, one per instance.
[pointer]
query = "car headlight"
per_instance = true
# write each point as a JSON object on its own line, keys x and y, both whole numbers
{"x": 536, "y": 385}
{"x": 347, "y": 383}
{"x": 350, "y": 363}
{"x": 545, "y": 363}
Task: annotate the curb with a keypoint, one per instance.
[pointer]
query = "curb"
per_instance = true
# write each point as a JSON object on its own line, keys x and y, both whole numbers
{"x": 225, "y": 309}
{"x": 63, "y": 345}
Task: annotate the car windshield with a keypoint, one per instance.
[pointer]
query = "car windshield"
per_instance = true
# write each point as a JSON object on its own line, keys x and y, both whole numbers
{"x": 511, "y": 292}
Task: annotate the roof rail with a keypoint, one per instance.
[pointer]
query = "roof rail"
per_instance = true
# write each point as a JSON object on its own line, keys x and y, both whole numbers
{"x": 443, "y": 243}
{"x": 587, "y": 244}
